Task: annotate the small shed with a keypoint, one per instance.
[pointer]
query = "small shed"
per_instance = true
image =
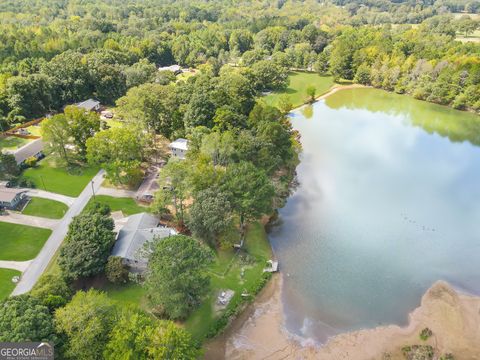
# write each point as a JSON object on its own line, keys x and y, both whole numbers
{"x": 179, "y": 148}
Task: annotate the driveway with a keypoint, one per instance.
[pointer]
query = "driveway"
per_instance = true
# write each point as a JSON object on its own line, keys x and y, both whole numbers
{"x": 67, "y": 200}
{"x": 40, "y": 263}
{"x": 20, "y": 219}
{"x": 149, "y": 186}
{"x": 115, "y": 192}
{"x": 15, "y": 265}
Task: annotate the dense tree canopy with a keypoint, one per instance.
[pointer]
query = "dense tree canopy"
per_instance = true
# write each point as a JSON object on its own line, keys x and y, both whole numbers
{"x": 176, "y": 278}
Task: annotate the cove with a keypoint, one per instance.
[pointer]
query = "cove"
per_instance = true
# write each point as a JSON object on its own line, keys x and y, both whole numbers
{"x": 388, "y": 202}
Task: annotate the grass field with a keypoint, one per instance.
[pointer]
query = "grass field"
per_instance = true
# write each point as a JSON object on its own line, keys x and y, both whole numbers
{"x": 299, "y": 81}
{"x": 20, "y": 242}
{"x": 127, "y": 205}
{"x": 58, "y": 179}
{"x": 474, "y": 37}
{"x": 45, "y": 208}
{"x": 12, "y": 142}
{"x": 6, "y": 284}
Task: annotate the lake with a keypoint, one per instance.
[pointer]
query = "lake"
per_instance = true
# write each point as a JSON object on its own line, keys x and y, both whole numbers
{"x": 388, "y": 203}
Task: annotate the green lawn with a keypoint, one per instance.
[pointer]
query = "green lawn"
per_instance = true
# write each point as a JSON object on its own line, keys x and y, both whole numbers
{"x": 127, "y": 205}
{"x": 298, "y": 83}
{"x": 12, "y": 142}
{"x": 66, "y": 181}
{"x": 130, "y": 294}
{"x": 20, "y": 242}
{"x": 45, "y": 208}
{"x": 226, "y": 274}
{"x": 6, "y": 284}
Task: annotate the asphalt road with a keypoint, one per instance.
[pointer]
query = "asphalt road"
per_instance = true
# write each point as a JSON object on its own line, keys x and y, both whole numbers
{"x": 40, "y": 263}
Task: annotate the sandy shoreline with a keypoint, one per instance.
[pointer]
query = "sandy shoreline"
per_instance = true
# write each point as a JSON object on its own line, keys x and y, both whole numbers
{"x": 259, "y": 332}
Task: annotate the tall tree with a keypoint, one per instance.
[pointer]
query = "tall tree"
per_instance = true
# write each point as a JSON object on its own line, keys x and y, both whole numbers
{"x": 86, "y": 321}
{"x": 177, "y": 287}
{"x": 24, "y": 318}
{"x": 249, "y": 190}
{"x": 87, "y": 245}
{"x": 56, "y": 133}
{"x": 209, "y": 215}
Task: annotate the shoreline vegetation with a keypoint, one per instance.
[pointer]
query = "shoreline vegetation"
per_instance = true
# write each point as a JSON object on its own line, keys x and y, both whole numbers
{"x": 261, "y": 334}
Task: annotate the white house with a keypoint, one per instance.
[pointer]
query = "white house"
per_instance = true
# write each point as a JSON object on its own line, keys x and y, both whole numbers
{"x": 179, "y": 148}
{"x": 138, "y": 230}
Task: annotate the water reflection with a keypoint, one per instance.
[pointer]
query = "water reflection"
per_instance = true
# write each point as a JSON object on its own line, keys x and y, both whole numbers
{"x": 383, "y": 210}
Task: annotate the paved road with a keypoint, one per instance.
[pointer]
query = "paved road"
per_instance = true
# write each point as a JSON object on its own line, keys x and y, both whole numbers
{"x": 40, "y": 263}
{"x": 15, "y": 265}
{"x": 16, "y": 218}
{"x": 67, "y": 200}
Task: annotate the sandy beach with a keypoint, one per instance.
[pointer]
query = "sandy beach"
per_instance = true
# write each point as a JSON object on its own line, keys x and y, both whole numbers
{"x": 259, "y": 332}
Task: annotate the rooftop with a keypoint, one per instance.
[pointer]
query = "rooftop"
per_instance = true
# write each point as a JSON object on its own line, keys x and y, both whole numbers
{"x": 138, "y": 230}
{"x": 8, "y": 194}
{"x": 181, "y": 144}
{"x": 89, "y": 104}
{"x": 28, "y": 150}
{"x": 170, "y": 68}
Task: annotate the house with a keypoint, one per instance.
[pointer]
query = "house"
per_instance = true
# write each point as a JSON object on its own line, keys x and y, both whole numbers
{"x": 10, "y": 198}
{"x": 179, "y": 148}
{"x": 89, "y": 105}
{"x": 176, "y": 69}
{"x": 33, "y": 148}
{"x": 138, "y": 230}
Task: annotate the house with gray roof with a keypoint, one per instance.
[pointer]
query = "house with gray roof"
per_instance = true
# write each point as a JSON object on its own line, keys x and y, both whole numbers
{"x": 139, "y": 229}
{"x": 179, "y": 148}
{"x": 10, "y": 197}
{"x": 89, "y": 105}
{"x": 33, "y": 148}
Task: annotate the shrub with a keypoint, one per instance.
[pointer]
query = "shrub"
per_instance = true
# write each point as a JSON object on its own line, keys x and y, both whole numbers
{"x": 425, "y": 334}
{"x": 52, "y": 290}
{"x": 31, "y": 161}
{"x": 116, "y": 271}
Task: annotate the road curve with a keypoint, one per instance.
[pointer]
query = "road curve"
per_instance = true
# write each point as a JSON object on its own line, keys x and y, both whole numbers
{"x": 40, "y": 263}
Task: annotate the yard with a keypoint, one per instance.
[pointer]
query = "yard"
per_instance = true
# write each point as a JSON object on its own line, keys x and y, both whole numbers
{"x": 46, "y": 208}
{"x": 21, "y": 242}
{"x": 12, "y": 142}
{"x": 127, "y": 205}
{"x": 299, "y": 81}
{"x": 226, "y": 274}
{"x": 6, "y": 284}
{"x": 49, "y": 176}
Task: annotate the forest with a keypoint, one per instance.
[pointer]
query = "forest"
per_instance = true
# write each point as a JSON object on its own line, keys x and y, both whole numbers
{"x": 55, "y": 53}
{"x": 242, "y": 155}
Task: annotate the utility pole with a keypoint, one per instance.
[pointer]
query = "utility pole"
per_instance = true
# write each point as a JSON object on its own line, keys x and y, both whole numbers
{"x": 43, "y": 182}
{"x": 93, "y": 190}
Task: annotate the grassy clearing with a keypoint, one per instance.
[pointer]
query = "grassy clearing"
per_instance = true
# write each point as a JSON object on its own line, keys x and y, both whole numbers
{"x": 49, "y": 176}
{"x": 6, "y": 284}
{"x": 12, "y": 142}
{"x": 126, "y": 295}
{"x": 21, "y": 242}
{"x": 126, "y": 205}
{"x": 226, "y": 274}
{"x": 46, "y": 208}
{"x": 299, "y": 81}
{"x": 474, "y": 37}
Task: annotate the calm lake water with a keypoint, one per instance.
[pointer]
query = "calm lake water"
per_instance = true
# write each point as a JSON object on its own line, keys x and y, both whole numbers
{"x": 388, "y": 203}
